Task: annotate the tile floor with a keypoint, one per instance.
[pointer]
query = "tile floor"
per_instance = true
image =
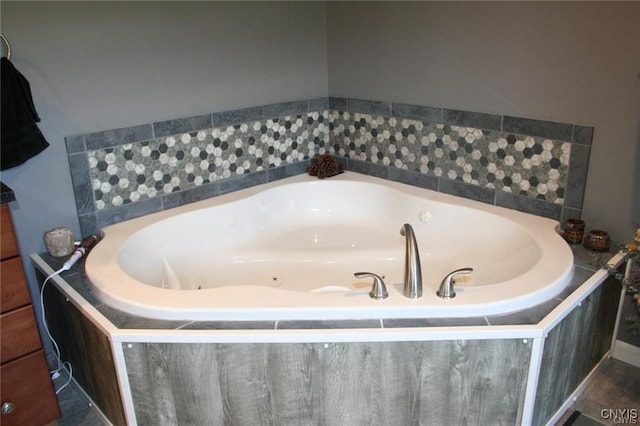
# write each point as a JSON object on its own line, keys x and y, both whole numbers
{"x": 614, "y": 385}
{"x": 75, "y": 407}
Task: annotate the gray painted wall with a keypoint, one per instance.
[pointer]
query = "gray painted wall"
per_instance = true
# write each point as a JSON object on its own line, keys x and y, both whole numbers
{"x": 574, "y": 62}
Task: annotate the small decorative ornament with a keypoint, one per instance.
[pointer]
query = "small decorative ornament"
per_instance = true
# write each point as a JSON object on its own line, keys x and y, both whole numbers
{"x": 597, "y": 240}
{"x": 324, "y": 166}
{"x": 574, "y": 231}
{"x": 59, "y": 242}
{"x": 636, "y": 246}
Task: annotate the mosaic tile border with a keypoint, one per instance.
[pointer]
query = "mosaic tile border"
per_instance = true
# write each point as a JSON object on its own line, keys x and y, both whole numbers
{"x": 530, "y": 165}
{"x": 571, "y": 139}
{"x": 138, "y": 171}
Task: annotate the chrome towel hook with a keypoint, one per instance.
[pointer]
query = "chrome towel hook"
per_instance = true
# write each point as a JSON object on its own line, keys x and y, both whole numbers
{"x": 8, "y": 46}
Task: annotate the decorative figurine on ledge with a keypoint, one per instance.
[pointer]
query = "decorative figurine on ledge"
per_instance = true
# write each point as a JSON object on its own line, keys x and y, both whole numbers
{"x": 324, "y": 166}
{"x": 636, "y": 246}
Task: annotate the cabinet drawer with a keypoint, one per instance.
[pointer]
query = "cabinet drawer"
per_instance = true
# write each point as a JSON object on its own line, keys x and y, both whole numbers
{"x": 19, "y": 333}
{"x": 8, "y": 241}
{"x": 14, "y": 292}
{"x": 26, "y": 384}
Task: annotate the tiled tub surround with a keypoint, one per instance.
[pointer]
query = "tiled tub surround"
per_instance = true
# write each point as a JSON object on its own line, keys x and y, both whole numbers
{"x": 530, "y": 165}
{"x": 520, "y": 368}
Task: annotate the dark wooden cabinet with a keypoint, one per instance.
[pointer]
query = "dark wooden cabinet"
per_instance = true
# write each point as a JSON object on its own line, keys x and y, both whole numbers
{"x": 27, "y": 396}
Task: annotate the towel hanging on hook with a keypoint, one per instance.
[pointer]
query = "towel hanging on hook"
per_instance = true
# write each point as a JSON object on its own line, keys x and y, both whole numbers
{"x": 20, "y": 138}
{"x": 7, "y": 45}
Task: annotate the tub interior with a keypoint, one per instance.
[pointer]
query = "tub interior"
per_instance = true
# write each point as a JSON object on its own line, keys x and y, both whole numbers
{"x": 313, "y": 236}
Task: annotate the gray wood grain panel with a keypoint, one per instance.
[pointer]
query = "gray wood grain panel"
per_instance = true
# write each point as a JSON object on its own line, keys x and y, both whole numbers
{"x": 246, "y": 395}
{"x": 397, "y": 383}
{"x": 574, "y": 347}
{"x": 168, "y": 379}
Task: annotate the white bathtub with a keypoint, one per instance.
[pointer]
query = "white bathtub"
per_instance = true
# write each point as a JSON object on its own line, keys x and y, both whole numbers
{"x": 289, "y": 249}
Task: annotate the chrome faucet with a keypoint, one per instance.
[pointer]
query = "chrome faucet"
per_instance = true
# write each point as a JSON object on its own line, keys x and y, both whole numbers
{"x": 379, "y": 289}
{"x": 412, "y": 270}
{"x": 446, "y": 290}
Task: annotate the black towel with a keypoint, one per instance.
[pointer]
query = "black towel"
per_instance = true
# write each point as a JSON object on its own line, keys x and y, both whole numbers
{"x": 21, "y": 138}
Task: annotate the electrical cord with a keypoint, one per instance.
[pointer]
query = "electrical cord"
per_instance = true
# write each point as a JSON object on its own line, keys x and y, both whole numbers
{"x": 82, "y": 249}
{"x": 55, "y": 373}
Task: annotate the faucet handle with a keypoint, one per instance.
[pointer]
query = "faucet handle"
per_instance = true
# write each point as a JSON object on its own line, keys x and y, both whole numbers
{"x": 446, "y": 290}
{"x": 379, "y": 290}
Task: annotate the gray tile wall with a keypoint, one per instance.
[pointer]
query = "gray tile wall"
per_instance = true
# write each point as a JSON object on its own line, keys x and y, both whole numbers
{"x": 534, "y": 166}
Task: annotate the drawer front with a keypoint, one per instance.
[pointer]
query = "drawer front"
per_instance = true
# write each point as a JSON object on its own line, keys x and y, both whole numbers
{"x": 26, "y": 384}
{"x": 19, "y": 333}
{"x": 8, "y": 241}
{"x": 14, "y": 292}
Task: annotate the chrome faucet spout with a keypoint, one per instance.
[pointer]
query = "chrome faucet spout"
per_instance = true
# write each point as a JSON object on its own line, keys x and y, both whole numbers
{"x": 412, "y": 270}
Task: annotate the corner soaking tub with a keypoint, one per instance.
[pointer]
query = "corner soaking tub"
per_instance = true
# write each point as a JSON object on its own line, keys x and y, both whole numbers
{"x": 289, "y": 250}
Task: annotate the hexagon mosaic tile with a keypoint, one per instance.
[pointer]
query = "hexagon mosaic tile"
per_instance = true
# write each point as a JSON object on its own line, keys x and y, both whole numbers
{"x": 132, "y": 172}
{"x": 531, "y": 165}
{"x": 525, "y": 165}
